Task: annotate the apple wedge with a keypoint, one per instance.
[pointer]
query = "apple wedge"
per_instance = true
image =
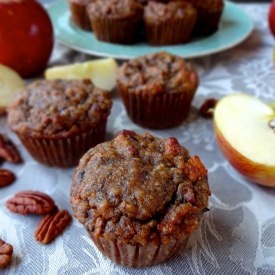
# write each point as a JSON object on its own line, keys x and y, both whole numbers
{"x": 245, "y": 131}
{"x": 102, "y": 72}
{"x": 10, "y": 82}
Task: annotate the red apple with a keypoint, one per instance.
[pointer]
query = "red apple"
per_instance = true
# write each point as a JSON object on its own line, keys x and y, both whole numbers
{"x": 271, "y": 17}
{"x": 26, "y": 36}
{"x": 245, "y": 131}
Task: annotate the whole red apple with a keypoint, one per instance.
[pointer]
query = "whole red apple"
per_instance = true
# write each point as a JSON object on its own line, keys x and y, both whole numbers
{"x": 26, "y": 36}
{"x": 271, "y": 17}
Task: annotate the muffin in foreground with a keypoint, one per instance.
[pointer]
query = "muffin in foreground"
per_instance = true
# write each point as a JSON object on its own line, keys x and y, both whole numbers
{"x": 79, "y": 13}
{"x": 59, "y": 120}
{"x": 169, "y": 23}
{"x": 157, "y": 89}
{"x": 209, "y": 15}
{"x": 116, "y": 21}
{"x": 139, "y": 197}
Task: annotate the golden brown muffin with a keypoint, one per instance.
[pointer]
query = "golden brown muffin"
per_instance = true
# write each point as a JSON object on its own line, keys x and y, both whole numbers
{"x": 157, "y": 89}
{"x": 139, "y": 197}
{"x": 59, "y": 120}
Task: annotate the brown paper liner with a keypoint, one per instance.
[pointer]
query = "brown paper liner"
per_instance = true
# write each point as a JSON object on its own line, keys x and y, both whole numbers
{"x": 207, "y": 22}
{"x": 79, "y": 15}
{"x": 138, "y": 255}
{"x": 64, "y": 151}
{"x": 120, "y": 31}
{"x": 157, "y": 111}
{"x": 174, "y": 31}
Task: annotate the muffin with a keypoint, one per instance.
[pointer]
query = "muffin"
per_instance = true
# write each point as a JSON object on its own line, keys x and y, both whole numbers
{"x": 157, "y": 89}
{"x": 116, "y": 21}
{"x": 59, "y": 120}
{"x": 169, "y": 23}
{"x": 209, "y": 15}
{"x": 79, "y": 13}
{"x": 139, "y": 197}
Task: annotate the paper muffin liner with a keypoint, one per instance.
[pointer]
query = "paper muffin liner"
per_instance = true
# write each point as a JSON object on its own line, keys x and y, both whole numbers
{"x": 80, "y": 16}
{"x": 207, "y": 22}
{"x": 158, "y": 111}
{"x": 116, "y": 30}
{"x": 173, "y": 31}
{"x": 63, "y": 151}
{"x": 138, "y": 255}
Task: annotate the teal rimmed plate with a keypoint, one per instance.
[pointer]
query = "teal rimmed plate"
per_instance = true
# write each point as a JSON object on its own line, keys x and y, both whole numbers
{"x": 235, "y": 27}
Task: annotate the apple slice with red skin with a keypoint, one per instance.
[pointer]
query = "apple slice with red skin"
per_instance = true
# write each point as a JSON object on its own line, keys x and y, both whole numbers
{"x": 271, "y": 17}
{"x": 242, "y": 124}
{"x": 26, "y": 36}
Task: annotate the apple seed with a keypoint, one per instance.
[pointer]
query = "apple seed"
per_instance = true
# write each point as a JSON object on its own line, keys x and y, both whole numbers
{"x": 271, "y": 124}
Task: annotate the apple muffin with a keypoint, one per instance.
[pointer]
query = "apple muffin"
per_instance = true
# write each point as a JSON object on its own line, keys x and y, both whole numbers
{"x": 59, "y": 120}
{"x": 116, "y": 21}
{"x": 79, "y": 13}
{"x": 209, "y": 15}
{"x": 139, "y": 197}
{"x": 169, "y": 23}
{"x": 157, "y": 89}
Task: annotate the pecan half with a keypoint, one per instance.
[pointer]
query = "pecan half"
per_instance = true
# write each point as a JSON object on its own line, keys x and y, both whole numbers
{"x": 8, "y": 151}
{"x": 31, "y": 202}
{"x": 207, "y": 108}
{"x": 6, "y": 177}
{"x": 5, "y": 253}
{"x": 52, "y": 225}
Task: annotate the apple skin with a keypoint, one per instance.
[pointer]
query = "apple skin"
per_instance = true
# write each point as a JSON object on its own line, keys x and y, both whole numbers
{"x": 26, "y": 36}
{"x": 271, "y": 17}
{"x": 256, "y": 172}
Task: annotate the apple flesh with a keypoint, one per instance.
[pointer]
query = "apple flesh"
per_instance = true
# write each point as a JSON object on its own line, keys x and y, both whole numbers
{"x": 26, "y": 36}
{"x": 242, "y": 124}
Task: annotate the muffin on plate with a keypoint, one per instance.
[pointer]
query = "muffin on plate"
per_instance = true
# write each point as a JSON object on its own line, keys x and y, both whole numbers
{"x": 79, "y": 13}
{"x": 116, "y": 21}
{"x": 157, "y": 89}
{"x": 169, "y": 23}
{"x": 59, "y": 120}
{"x": 209, "y": 15}
{"x": 139, "y": 197}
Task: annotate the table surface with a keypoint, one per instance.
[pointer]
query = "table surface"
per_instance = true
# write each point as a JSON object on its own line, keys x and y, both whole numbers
{"x": 237, "y": 236}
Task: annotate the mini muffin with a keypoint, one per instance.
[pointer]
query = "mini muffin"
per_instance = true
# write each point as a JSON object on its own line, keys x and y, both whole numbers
{"x": 169, "y": 23}
{"x": 139, "y": 197}
{"x": 209, "y": 15}
{"x": 59, "y": 120}
{"x": 157, "y": 90}
{"x": 116, "y": 21}
{"x": 79, "y": 13}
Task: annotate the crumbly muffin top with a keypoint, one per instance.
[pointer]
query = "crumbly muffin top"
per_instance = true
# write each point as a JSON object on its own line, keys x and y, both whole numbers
{"x": 209, "y": 5}
{"x": 158, "y": 73}
{"x": 114, "y": 8}
{"x": 155, "y": 11}
{"x": 58, "y": 107}
{"x": 139, "y": 188}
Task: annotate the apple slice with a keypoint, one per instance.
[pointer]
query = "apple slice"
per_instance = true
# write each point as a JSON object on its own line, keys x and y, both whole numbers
{"x": 10, "y": 82}
{"x": 245, "y": 134}
{"x": 102, "y": 72}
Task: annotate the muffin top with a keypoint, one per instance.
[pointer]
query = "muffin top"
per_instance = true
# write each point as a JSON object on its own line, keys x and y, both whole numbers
{"x": 58, "y": 108}
{"x": 114, "y": 8}
{"x": 155, "y": 11}
{"x": 209, "y": 5}
{"x": 139, "y": 188}
{"x": 158, "y": 73}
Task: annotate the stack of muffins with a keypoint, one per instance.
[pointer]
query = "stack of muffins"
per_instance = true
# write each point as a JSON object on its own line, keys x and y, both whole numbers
{"x": 160, "y": 22}
{"x": 138, "y": 196}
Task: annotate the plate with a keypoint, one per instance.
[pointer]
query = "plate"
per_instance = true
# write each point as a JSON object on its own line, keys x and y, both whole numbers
{"x": 235, "y": 27}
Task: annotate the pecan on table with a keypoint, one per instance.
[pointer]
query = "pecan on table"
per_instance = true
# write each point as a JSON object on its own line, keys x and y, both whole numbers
{"x": 31, "y": 202}
{"x": 8, "y": 150}
{"x": 6, "y": 177}
{"x": 52, "y": 225}
{"x": 5, "y": 253}
{"x": 207, "y": 108}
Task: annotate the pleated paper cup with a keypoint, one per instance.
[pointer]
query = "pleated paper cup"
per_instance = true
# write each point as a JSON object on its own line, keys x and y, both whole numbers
{"x": 62, "y": 151}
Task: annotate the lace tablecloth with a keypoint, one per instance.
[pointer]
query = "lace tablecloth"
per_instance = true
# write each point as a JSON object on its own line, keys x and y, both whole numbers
{"x": 237, "y": 236}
